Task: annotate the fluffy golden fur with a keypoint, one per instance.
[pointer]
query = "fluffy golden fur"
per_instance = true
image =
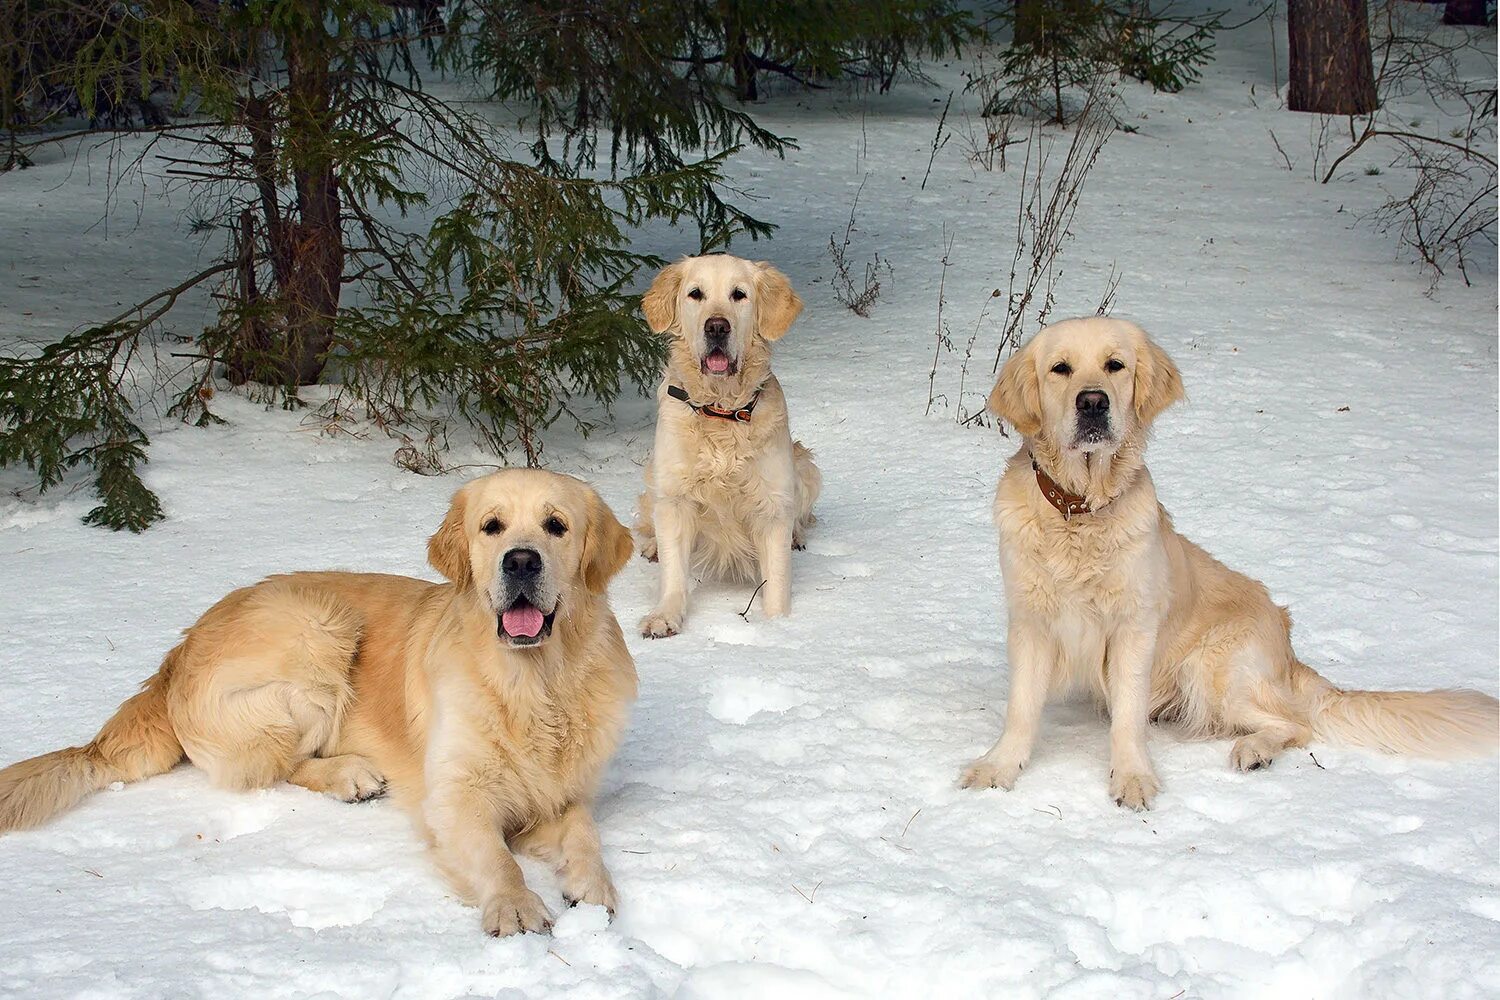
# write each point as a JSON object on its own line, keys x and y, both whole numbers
{"x": 349, "y": 683}
{"x": 724, "y": 498}
{"x": 1119, "y": 604}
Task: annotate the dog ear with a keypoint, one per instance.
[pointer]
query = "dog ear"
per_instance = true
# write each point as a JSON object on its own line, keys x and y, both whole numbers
{"x": 779, "y": 304}
{"x": 606, "y": 545}
{"x": 448, "y": 548}
{"x": 1158, "y": 384}
{"x": 1017, "y": 397}
{"x": 660, "y": 301}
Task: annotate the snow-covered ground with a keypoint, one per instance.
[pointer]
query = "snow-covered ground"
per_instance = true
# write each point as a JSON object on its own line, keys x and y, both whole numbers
{"x": 783, "y": 819}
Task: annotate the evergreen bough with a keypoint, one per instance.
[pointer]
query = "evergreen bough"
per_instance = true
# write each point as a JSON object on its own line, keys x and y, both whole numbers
{"x": 493, "y": 270}
{"x": 1059, "y": 47}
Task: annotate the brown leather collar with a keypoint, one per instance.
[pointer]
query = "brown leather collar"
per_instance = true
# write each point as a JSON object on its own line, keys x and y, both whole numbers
{"x": 1067, "y": 504}
{"x": 741, "y": 415}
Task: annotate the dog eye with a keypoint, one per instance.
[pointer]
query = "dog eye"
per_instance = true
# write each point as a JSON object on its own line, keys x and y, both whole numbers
{"x": 696, "y": 294}
{"x": 738, "y": 295}
{"x": 1062, "y": 368}
{"x": 492, "y": 526}
{"x": 554, "y": 527}
{"x": 1114, "y": 365}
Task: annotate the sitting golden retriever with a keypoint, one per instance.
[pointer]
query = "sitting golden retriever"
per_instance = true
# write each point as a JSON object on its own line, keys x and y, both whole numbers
{"x": 728, "y": 492}
{"x": 1104, "y": 595}
{"x": 488, "y": 705}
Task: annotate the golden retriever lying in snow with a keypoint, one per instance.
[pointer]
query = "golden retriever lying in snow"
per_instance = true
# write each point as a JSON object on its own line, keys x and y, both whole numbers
{"x": 728, "y": 492}
{"x": 1104, "y": 595}
{"x": 489, "y": 705}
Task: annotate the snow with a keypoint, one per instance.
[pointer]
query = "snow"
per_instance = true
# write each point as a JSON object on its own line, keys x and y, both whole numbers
{"x": 783, "y": 818}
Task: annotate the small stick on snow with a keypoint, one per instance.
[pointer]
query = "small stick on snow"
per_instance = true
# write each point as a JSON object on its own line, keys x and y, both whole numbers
{"x": 805, "y": 895}
{"x": 1315, "y": 761}
{"x": 1284, "y": 157}
{"x": 909, "y": 822}
{"x": 746, "y": 613}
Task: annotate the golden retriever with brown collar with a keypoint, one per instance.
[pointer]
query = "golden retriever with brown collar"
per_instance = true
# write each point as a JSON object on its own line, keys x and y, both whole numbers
{"x": 1104, "y": 595}
{"x": 488, "y": 705}
{"x": 728, "y": 492}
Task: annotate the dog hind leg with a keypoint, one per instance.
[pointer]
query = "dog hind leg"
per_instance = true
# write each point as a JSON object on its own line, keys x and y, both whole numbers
{"x": 809, "y": 485}
{"x": 273, "y": 692}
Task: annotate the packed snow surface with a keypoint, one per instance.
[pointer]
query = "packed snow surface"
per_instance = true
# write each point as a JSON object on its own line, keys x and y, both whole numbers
{"x": 783, "y": 818}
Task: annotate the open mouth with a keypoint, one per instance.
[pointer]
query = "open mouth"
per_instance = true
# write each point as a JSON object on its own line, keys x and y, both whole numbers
{"x": 716, "y": 362}
{"x": 524, "y": 624}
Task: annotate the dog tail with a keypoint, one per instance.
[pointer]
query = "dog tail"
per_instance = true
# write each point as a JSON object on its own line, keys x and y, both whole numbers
{"x": 1444, "y": 724}
{"x": 137, "y": 742}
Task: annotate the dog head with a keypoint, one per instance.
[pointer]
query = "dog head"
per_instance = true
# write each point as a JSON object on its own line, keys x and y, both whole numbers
{"x": 1086, "y": 385}
{"x": 531, "y": 546}
{"x": 723, "y": 311}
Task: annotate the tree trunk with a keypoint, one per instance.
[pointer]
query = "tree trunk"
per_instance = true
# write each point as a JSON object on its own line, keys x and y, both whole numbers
{"x": 310, "y": 294}
{"x": 1465, "y": 12}
{"x": 737, "y": 50}
{"x": 1330, "y": 69}
{"x": 1029, "y": 18}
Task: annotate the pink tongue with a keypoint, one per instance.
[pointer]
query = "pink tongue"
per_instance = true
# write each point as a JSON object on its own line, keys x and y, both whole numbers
{"x": 522, "y": 621}
{"x": 717, "y": 363}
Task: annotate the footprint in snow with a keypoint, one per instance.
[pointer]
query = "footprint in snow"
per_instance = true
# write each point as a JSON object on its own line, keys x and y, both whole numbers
{"x": 882, "y": 666}
{"x": 249, "y": 812}
{"x": 736, "y": 700}
{"x": 309, "y": 897}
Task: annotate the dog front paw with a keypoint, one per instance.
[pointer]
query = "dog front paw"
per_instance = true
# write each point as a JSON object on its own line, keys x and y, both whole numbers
{"x": 595, "y": 888}
{"x": 661, "y": 624}
{"x": 516, "y": 912}
{"x": 985, "y": 773}
{"x": 647, "y": 548}
{"x": 1133, "y": 789}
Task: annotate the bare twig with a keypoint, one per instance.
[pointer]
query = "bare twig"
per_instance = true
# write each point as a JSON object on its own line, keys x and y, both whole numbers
{"x": 941, "y": 340}
{"x": 1284, "y": 158}
{"x": 857, "y": 299}
{"x": 746, "y": 613}
{"x": 939, "y": 140}
{"x": 806, "y": 896}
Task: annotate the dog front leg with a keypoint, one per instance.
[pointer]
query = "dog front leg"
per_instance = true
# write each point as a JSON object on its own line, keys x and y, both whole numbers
{"x": 776, "y": 567}
{"x": 465, "y": 827}
{"x": 571, "y": 844}
{"x": 1032, "y": 655}
{"x": 1132, "y": 779}
{"x": 675, "y": 535}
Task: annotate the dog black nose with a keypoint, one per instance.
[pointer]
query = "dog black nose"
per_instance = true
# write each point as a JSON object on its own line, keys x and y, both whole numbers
{"x": 716, "y": 326}
{"x": 523, "y": 564}
{"x": 1092, "y": 402}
